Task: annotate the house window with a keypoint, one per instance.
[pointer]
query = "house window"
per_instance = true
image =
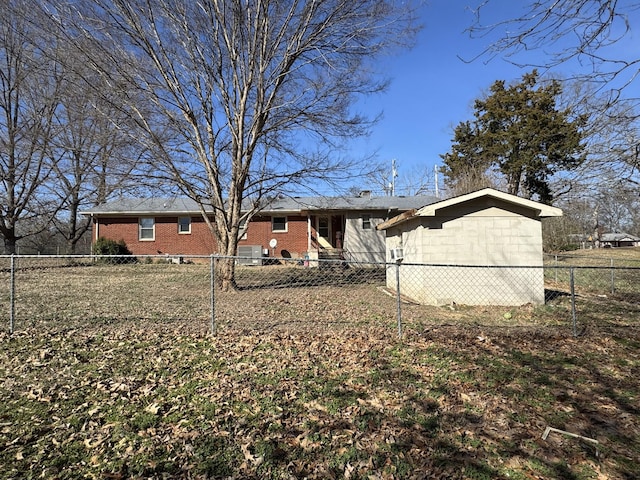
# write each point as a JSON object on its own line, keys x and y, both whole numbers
{"x": 366, "y": 221}
{"x": 184, "y": 224}
{"x": 323, "y": 227}
{"x": 243, "y": 229}
{"x": 146, "y": 228}
{"x": 278, "y": 224}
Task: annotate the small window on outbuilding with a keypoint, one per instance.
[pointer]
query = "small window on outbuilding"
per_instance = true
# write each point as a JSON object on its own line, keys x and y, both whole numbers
{"x": 146, "y": 228}
{"x": 366, "y": 221}
{"x": 184, "y": 225}
{"x": 278, "y": 224}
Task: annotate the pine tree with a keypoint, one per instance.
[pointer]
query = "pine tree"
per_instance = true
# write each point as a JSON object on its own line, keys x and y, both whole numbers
{"x": 519, "y": 132}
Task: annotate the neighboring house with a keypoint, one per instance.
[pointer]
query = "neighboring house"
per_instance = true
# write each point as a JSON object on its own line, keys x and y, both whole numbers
{"x": 605, "y": 240}
{"x": 608, "y": 240}
{"x": 462, "y": 236}
{"x": 309, "y": 227}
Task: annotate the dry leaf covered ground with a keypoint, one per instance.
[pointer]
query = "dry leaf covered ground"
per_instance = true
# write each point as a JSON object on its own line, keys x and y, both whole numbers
{"x": 129, "y": 401}
{"x": 465, "y": 394}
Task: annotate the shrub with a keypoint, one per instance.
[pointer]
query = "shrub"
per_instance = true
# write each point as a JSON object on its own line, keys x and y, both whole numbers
{"x": 111, "y": 251}
{"x": 569, "y": 247}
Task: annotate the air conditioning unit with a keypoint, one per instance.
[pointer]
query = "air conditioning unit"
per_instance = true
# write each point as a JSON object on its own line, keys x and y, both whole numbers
{"x": 397, "y": 253}
{"x": 250, "y": 255}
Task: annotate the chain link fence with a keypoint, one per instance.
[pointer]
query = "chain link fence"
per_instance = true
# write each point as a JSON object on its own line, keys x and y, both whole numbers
{"x": 183, "y": 293}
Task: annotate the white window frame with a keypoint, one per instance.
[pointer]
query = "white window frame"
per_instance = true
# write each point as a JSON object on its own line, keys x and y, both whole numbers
{"x": 184, "y": 232}
{"x": 286, "y": 225}
{"x": 243, "y": 225}
{"x": 366, "y": 221}
{"x": 141, "y": 229}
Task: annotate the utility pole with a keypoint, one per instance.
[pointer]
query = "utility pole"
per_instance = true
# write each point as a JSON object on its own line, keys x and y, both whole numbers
{"x": 394, "y": 174}
{"x": 436, "y": 170}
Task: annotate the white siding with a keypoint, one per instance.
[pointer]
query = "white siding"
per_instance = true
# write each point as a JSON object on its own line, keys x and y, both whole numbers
{"x": 364, "y": 245}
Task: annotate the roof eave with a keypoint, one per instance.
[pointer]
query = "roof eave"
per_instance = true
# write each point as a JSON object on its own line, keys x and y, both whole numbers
{"x": 541, "y": 210}
{"x": 398, "y": 219}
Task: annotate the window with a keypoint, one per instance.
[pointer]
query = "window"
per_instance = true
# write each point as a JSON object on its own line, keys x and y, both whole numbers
{"x": 323, "y": 227}
{"x": 278, "y": 224}
{"x": 243, "y": 229}
{"x": 184, "y": 224}
{"x": 147, "y": 228}
{"x": 366, "y": 221}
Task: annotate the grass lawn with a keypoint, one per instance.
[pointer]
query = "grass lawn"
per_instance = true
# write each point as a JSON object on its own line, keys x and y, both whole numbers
{"x": 112, "y": 373}
{"x": 133, "y": 400}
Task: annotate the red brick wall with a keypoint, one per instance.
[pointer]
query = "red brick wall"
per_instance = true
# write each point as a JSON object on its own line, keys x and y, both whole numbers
{"x": 293, "y": 242}
{"x": 167, "y": 239}
{"x": 200, "y": 241}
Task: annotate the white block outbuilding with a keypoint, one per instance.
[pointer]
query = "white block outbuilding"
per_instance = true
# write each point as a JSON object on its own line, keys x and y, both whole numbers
{"x": 482, "y": 248}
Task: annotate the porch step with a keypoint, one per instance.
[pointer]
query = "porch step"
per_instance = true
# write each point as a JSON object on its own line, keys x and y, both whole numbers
{"x": 330, "y": 254}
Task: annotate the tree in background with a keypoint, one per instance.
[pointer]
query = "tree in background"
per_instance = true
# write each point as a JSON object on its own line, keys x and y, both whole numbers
{"x": 596, "y": 37}
{"x": 466, "y": 168}
{"x": 93, "y": 154}
{"x": 257, "y": 94}
{"x": 603, "y": 186}
{"x": 519, "y": 133}
{"x": 591, "y": 32}
{"x": 30, "y": 84}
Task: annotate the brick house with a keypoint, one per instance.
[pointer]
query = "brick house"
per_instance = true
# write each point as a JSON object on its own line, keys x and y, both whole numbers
{"x": 299, "y": 227}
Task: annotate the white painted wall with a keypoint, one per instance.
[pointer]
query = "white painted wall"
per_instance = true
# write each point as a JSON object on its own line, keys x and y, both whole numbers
{"x": 470, "y": 239}
{"x": 364, "y": 245}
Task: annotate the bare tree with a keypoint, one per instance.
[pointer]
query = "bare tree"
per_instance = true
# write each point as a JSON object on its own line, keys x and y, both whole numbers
{"x": 587, "y": 31}
{"x": 258, "y": 94}
{"x": 30, "y": 81}
{"x": 389, "y": 178}
{"x": 611, "y": 138}
{"x": 93, "y": 154}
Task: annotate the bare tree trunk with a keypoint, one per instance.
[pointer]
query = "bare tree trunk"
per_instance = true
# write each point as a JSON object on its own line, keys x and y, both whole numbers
{"x": 227, "y": 90}
{"x": 30, "y": 84}
{"x": 9, "y": 243}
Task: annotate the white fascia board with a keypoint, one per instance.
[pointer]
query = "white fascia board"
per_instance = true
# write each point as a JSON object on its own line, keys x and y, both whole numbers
{"x": 541, "y": 209}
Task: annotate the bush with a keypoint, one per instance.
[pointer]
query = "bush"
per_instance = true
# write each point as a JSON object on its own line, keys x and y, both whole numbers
{"x": 570, "y": 247}
{"x": 112, "y": 251}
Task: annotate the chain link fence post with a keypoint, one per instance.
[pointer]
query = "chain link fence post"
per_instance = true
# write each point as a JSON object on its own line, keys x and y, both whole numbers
{"x": 573, "y": 301}
{"x": 212, "y": 281}
{"x": 398, "y": 301}
{"x": 12, "y": 300}
{"x": 613, "y": 278}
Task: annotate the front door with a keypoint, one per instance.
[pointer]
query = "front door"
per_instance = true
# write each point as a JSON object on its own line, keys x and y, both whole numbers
{"x": 323, "y": 228}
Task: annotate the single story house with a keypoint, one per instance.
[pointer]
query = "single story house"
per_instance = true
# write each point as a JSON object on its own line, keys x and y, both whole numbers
{"x": 608, "y": 240}
{"x": 290, "y": 227}
{"x": 605, "y": 240}
{"x": 482, "y": 248}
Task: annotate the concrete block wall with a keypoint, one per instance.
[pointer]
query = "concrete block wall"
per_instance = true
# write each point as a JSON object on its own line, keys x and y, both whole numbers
{"x": 480, "y": 240}
{"x": 478, "y": 286}
{"x": 489, "y": 237}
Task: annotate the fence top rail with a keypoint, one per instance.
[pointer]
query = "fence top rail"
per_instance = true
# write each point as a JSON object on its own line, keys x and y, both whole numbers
{"x": 323, "y": 261}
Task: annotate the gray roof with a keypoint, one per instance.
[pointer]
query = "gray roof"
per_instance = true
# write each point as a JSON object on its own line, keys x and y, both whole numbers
{"x": 618, "y": 237}
{"x": 173, "y": 206}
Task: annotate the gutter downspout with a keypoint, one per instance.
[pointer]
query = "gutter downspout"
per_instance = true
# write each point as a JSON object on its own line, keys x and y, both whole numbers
{"x": 308, "y": 233}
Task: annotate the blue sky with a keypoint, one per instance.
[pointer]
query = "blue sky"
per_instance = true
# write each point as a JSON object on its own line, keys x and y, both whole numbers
{"x": 432, "y": 89}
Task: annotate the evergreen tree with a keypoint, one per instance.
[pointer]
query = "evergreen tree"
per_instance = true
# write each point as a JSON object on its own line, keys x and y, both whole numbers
{"x": 465, "y": 167}
{"x": 519, "y": 132}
